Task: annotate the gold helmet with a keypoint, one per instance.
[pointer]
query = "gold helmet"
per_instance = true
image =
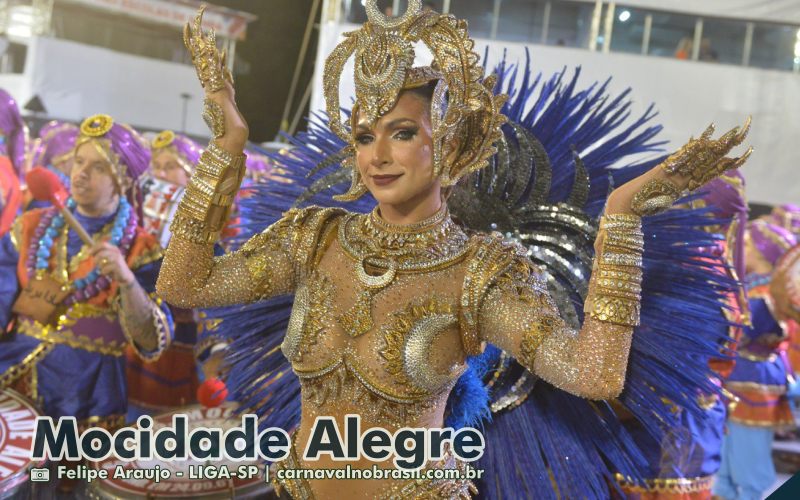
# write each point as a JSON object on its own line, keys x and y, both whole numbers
{"x": 465, "y": 112}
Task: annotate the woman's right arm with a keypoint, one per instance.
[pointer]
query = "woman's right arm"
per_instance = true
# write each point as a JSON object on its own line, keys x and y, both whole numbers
{"x": 190, "y": 275}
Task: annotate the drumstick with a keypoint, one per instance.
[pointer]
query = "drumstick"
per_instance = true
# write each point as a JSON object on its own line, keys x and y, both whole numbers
{"x": 73, "y": 222}
{"x": 44, "y": 185}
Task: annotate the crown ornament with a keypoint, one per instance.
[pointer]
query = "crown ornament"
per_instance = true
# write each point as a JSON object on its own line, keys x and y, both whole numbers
{"x": 465, "y": 112}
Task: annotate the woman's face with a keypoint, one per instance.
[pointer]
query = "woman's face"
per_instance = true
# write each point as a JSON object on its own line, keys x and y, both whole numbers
{"x": 167, "y": 168}
{"x": 395, "y": 155}
{"x": 92, "y": 181}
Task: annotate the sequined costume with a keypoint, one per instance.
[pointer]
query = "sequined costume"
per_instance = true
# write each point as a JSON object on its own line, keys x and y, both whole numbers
{"x": 400, "y": 323}
{"x": 759, "y": 381}
{"x": 72, "y": 363}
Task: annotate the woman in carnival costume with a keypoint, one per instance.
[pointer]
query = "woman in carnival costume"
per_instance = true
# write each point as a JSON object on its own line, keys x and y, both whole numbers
{"x": 683, "y": 466}
{"x": 760, "y": 379}
{"x": 393, "y": 309}
{"x": 68, "y": 351}
{"x": 172, "y": 380}
{"x": 13, "y": 140}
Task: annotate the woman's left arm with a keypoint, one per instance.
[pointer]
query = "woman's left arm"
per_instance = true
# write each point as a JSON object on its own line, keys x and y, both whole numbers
{"x": 518, "y": 314}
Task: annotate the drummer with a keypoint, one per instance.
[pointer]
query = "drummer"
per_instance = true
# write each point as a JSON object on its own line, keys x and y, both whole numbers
{"x": 171, "y": 381}
{"x": 67, "y": 351}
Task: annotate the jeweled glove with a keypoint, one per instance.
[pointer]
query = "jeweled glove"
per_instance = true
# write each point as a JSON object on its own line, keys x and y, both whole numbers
{"x": 699, "y": 161}
{"x": 207, "y": 59}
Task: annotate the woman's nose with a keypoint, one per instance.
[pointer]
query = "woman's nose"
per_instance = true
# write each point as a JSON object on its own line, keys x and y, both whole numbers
{"x": 381, "y": 155}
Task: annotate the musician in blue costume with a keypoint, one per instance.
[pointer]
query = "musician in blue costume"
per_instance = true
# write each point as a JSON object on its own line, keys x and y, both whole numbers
{"x": 393, "y": 308}
{"x": 760, "y": 379}
{"x": 70, "y": 309}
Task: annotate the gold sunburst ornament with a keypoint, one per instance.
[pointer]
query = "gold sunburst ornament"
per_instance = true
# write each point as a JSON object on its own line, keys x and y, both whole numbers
{"x": 465, "y": 112}
{"x": 97, "y": 125}
{"x": 163, "y": 139}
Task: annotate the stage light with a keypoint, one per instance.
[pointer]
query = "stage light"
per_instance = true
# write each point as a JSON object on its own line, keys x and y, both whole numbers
{"x": 624, "y": 15}
{"x": 20, "y": 21}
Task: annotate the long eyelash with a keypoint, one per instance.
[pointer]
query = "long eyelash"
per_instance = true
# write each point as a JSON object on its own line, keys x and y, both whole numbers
{"x": 411, "y": 131}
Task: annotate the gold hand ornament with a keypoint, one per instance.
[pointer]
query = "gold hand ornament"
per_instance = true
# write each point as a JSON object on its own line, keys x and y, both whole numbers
{"x": 695, "y": 164}
{"x": 703, "y": 159}
{"x": 207, "y": 59}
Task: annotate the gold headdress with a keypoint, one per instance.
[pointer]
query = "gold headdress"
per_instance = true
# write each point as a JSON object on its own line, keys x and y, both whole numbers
{"x": 186, "y": 151}
{"x": 119, "y": 144}
{"x": 465, "y": 113}
{"x": 163, "y": 140}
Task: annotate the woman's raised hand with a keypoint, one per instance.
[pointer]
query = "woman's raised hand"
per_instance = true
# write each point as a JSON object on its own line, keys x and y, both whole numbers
{"x": 695, "y": 164}
{"x": 220, "y": 113}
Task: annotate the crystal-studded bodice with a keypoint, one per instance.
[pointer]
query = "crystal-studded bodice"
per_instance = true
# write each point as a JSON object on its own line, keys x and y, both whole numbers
{"x": 375, "y": 324}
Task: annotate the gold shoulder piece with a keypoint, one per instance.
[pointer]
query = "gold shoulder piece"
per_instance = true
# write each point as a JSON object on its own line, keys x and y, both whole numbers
{"x": 310, "y": 224}
{"x": 490, "y": 258}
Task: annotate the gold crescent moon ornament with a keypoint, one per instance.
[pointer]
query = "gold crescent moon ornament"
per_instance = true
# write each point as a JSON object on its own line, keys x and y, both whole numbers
{"x": 377, "y": 17}
{"x": 376, "y": 282}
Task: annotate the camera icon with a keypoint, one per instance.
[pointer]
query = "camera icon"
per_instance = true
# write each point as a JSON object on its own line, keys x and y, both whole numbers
{"x": 40, "y": 475}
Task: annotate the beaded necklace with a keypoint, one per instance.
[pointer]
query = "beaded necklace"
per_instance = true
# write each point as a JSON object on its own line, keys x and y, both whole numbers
{"x": 53, "y": 226}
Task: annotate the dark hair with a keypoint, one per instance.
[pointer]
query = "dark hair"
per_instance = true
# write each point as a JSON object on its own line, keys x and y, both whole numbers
{"x": 425, "y": 91}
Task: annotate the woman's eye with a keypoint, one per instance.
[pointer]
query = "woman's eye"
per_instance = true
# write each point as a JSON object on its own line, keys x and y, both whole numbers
{"x": 405, "y": 135}
{"x": 364, "y": 139}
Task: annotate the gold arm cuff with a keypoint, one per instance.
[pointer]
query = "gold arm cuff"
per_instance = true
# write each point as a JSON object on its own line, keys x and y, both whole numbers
{"x": 617, "y": 310}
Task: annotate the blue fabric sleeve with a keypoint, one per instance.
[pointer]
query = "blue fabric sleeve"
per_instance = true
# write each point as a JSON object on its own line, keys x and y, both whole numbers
{"x": 9, "y": 286}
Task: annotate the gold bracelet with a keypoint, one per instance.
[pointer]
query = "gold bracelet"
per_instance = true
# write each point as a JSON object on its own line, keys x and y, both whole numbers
{"x": 656, "y": 196}
{"x": 621, "y": 259}
{"x": 615, "y": 293}
{"x": 621, "y": 220}
{"x": 624, "y": 240}
{"x": 221, "y": 155}
{"x": 214, "y": 118}
{"x": 619, "y": 311}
